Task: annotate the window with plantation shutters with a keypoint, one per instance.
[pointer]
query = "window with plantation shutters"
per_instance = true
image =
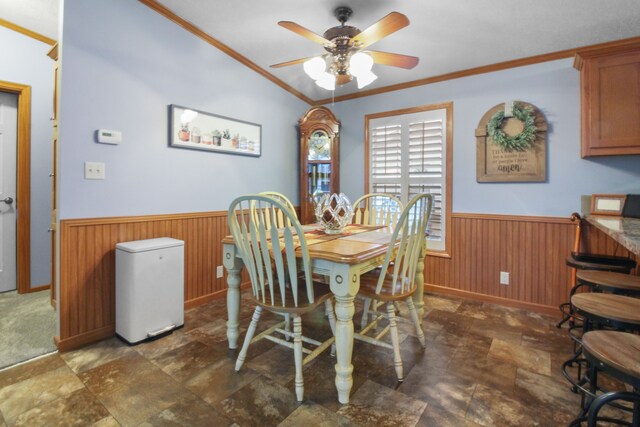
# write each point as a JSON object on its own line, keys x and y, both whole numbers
{"x": 407, "y": 156}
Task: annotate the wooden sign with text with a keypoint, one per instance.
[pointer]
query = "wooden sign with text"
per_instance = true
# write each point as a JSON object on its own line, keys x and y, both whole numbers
{"x": 493, "y": 164}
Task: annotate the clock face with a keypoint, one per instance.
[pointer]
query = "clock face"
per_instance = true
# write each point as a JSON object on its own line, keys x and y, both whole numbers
{"x": 319, "y": 146}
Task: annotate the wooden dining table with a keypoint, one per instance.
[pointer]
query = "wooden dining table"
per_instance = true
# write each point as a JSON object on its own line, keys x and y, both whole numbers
{"x": 343, "y": 258}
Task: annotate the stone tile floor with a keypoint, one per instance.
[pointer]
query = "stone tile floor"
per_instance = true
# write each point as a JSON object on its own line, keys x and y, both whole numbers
{"x": 484, "y": 365}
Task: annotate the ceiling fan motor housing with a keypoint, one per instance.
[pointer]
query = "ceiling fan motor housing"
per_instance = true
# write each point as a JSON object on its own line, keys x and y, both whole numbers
{"x": 341, "y": 35}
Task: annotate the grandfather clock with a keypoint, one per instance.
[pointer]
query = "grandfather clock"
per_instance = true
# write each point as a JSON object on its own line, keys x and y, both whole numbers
{"x": 319, "y": 159}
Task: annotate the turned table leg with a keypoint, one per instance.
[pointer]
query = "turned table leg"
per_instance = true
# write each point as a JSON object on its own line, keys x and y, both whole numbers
{"x": 345, "y": 283}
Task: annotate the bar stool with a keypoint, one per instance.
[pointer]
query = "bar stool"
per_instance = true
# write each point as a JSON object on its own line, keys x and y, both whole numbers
{"x": 607, "y": 281}
{"x": 616, "y": 354}
{"x": 588, "y": 261}
{"x": 598, "y": 311}
{"x": 581, "y": 261}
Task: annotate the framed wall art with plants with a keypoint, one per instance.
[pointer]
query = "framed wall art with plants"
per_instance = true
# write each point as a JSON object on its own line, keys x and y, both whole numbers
{"x": 199, "y": 130}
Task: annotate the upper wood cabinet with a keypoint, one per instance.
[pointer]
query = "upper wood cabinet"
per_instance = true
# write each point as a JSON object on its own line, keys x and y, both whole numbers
{"x": 610, "y": 100}
{"x": 319, "y": 159}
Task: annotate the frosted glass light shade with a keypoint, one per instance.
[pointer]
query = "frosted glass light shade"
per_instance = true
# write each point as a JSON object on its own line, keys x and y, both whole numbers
{"x": 315, "y": 67}
{"x": 365, "y": 79}
{"x": 360, "y": 64}
{"x": 327, "y": 81}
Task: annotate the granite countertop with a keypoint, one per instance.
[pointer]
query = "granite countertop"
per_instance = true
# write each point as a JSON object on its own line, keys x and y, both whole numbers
{"x": 625, "y": 231}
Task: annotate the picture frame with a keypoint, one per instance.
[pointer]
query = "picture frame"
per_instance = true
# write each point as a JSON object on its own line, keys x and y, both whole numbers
{"x": 200, "y": 130}
{"x": 607, "y": 204}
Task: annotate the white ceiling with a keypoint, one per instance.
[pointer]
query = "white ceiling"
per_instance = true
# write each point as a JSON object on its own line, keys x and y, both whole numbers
{"x": 447, "y": 35}
{"x": 40, "y": 16}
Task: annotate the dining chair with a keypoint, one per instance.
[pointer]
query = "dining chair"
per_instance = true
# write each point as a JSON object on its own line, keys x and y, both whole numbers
{"x": 395, "y": 280}
{"x": 375, "y": 209}
{"x": 279, "y": 220}
{"x": 279, "y": 268}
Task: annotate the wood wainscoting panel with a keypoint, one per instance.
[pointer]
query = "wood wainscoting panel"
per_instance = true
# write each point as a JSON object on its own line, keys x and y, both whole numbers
{"x": 87, "y": 266}
{"x": 531, "y": 249}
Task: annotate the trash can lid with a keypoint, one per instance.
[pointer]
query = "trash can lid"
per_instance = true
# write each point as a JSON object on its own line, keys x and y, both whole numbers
{"x": 149, "y": 244}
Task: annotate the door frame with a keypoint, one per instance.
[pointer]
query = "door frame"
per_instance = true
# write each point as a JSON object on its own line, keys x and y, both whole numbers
{"x": 23, "y": 186}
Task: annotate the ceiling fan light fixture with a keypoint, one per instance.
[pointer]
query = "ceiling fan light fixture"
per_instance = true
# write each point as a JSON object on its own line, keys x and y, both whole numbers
{"x": 315, "y": 67}
{"x": 327, "y": 81}
{"x": 366, "y": 79}
{"x": 360, "y": 64}
{"x": 344, "y": 58}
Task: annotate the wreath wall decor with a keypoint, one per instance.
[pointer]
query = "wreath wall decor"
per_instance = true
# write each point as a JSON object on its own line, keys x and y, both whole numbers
{"x": 501, "y": 157}
{"x": 519, "y": 142}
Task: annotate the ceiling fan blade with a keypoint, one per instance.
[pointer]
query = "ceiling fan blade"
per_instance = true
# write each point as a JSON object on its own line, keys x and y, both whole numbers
{"x": 294, "y": 62}
{"x": 393, "y": 59}
{"x": 387, "y": 25}
{"x": 299, "y": 29}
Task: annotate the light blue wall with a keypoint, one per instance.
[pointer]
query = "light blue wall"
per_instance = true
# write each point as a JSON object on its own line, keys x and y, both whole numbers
{"x": 123, "y": 76}
{"x": 25, "y": 61}
{"x": 553, "y": 87}
{"x": 122, "y": 65}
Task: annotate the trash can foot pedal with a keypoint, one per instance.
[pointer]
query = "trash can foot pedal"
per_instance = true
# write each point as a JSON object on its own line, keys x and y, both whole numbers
{"x": 162, "y": 331}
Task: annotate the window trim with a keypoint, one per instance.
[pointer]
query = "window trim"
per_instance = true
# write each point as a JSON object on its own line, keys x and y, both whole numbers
{"x": 448, "y": 107}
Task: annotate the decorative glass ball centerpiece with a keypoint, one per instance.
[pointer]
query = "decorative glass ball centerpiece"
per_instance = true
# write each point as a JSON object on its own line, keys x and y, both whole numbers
{"x": 334, "y": 212}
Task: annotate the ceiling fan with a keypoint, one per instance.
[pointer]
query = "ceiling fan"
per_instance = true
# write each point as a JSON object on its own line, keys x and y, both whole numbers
{"x": 346, "y": 57}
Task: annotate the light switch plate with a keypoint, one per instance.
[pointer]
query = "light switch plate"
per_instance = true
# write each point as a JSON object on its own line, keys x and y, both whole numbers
{"x": 94, "y": 170}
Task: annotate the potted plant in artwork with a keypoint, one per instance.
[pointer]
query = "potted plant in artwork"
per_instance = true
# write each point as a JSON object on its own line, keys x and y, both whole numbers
{"x": 207, "y": 138}
{"x": 216, "y": 137}
{"x": 183, "y": 134}
{"x": 195, "y": 136}
{"x": 226, "y": 138}
{"x": 235, "y": 140}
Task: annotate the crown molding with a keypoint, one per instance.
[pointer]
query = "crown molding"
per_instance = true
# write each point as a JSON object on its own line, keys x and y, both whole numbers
{"x": 615, "y": 47}
{"x": 26, "y": 32}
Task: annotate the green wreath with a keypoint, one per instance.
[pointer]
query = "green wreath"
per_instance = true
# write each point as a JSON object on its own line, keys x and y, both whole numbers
{"x": 520, "y": 142}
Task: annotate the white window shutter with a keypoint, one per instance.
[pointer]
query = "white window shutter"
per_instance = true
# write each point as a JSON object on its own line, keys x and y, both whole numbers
{"x": 386, "y": 154}
{"x": 386, "y": 159}
{"x": 408, "y": 157}
{"x": 426, "y": 168}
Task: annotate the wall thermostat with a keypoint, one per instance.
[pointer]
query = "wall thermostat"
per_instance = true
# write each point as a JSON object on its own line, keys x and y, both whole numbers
{"x": 105, "y": 136}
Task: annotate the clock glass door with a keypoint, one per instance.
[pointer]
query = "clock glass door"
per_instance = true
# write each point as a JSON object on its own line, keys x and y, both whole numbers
{"x": 319, "y": 165}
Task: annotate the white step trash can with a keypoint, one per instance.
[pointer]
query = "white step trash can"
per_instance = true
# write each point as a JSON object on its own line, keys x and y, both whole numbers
{"x": 149, "y": 288}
